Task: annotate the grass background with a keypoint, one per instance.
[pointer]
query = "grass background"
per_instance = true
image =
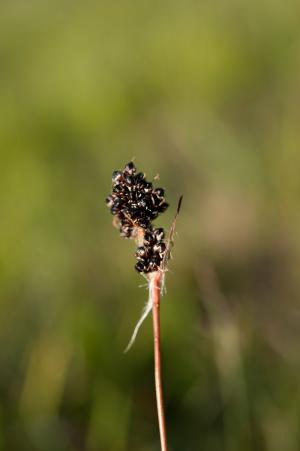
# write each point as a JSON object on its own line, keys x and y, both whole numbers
{"x": 207, "y": 95}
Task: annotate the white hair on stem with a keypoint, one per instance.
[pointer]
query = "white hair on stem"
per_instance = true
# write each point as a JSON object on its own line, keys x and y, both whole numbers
{"x": 146, "y": 310}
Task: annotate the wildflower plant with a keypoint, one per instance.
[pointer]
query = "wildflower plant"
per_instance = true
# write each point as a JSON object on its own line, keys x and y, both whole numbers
{"x": 135, "y": 203}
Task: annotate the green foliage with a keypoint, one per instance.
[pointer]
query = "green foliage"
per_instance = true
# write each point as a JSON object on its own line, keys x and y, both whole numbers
{"x": 207, "y": 95}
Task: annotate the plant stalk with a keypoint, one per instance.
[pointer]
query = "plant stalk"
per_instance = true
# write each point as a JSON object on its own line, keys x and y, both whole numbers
{"x": 155, "y": 286}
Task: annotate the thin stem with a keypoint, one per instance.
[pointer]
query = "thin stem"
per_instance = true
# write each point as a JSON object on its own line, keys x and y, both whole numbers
{"x": 155, "y": 286}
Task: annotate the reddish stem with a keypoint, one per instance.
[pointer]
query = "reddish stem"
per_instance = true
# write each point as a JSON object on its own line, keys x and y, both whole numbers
{"x": 156, "y": 287}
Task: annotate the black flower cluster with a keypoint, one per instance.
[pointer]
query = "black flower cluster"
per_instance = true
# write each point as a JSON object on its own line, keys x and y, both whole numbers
{"x": 150, "y": 255}
{"x": 136, "y": 203}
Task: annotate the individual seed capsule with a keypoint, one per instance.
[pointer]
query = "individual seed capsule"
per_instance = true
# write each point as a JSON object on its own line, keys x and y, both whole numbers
{"x": 109, "y": 201}
{"x": 130, "y": 168}
{"x": 141, "y": 266}
{"x": 139, "y": 177}
{"x": 148, "y": 187}
{"x": 143, "y": 222}
{"x": 134, "y": 212}
{"x": 140, "y": 195}
{"x": 142, "y": 203}
{"x": 160, "y": 192}
{"x": 156, "y": 201}
{"x": 117, "y": 202}
{"x": 159, "y": 248}
{"x": 159, "y": 234}
{"x": 117, "y": 176}
{"x": 154, "y": 264}
{"x": 123, "y": 221}
{"x": 141, "y": 184}
{"x": 126, "y": 231}
{"x": 155, "y": 259}
{"x": 149, "y": 238}
{"x": 152, "y": 214}
{"x": 141, "y": 253}
{"x": 128, "y": 179}
{"x": 114, "y": 210}
{"x": 117, "y": 189}
{"x": 163, "y": 207}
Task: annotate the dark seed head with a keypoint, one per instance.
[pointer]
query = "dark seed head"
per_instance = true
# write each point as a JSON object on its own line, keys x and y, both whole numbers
{"x": 135, "y": 203}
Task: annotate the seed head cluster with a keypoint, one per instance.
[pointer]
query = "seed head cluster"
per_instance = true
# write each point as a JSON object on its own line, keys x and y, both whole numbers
{"x": 136, "y": 203}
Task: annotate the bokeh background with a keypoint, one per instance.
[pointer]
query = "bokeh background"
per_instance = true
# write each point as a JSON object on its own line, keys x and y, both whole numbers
{"x": 206, "y": 94}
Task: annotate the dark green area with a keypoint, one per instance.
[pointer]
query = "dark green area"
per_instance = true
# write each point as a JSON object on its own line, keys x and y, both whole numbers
{"x": 207, "y": 95}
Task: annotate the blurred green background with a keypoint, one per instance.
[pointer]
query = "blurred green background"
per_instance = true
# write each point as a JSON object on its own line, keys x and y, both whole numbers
{"x": 207, "y": 95}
